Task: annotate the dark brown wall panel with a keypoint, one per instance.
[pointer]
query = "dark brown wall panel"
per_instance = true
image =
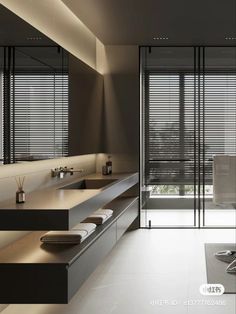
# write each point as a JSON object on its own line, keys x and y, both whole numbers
{"x": 86, "y": 112}
{"x": 121, "y": 82}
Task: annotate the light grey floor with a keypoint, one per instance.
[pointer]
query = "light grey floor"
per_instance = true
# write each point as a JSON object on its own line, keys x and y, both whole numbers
{"x": 149, "y": 271}
{"x": 185, "y": 217}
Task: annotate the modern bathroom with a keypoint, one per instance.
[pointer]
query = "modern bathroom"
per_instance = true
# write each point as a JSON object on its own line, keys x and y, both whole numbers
{"x": 117, "y": 157}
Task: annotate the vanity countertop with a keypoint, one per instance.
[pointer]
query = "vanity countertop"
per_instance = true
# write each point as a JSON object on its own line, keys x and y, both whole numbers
{"x": 55, "y": 208}
{"x": 55, "y": 197}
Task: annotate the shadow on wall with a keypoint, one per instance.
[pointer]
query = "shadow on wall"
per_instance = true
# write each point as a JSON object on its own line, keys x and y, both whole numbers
{"x": 104, "y": 110}
{"x": 121, "y": 98}
{"x": 86, "y": 109}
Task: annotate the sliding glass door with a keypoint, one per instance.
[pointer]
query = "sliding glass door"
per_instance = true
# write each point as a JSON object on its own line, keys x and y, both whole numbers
{"x": 220, "y": 135}
{"x": 185, "y": 102}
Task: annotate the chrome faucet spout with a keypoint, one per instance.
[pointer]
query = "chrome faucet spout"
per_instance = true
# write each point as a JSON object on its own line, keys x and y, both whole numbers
{"x": 62, "y": 171}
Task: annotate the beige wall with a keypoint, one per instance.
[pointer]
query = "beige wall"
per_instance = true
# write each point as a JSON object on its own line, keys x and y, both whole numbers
{"x": 54, "y": 19}
{"x": 38, "y": 173}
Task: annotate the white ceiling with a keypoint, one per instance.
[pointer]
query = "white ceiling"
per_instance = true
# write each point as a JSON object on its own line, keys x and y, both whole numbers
{"x": 184, "y": 22}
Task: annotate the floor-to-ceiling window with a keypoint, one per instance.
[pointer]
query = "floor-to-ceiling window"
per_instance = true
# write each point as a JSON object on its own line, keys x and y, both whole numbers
{"x": 188, "y": 117}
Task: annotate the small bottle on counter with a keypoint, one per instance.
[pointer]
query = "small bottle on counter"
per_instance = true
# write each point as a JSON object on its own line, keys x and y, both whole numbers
{"x": 20, "y": 196}
{"x": 109, "y": 165}
{"x": 20, "y": 193}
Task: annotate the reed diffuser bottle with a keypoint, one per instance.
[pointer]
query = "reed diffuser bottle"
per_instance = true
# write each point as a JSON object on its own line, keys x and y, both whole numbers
{"x": 20, "y": 194}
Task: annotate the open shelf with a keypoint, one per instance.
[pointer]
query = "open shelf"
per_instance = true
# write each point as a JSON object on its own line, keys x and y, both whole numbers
{"x": 32, "y": 272}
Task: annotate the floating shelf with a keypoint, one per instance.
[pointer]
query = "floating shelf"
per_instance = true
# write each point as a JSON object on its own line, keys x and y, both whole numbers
{"x": 32, "y": 272}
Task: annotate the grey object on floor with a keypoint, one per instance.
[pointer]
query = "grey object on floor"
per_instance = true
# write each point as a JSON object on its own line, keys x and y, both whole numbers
{"x": 232, "y": 267}
{"x": 226, "y": 256}
{"x": 216, "y": 270}
{"x": 75, "y": 236}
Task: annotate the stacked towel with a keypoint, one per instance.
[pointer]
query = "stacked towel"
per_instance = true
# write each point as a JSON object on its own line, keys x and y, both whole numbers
{"x": 99, "y": 216}
{"x": 75, "y": 236}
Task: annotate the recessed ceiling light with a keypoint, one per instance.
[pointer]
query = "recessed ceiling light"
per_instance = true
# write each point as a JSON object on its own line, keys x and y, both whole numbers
{"x": 34, "y": 38}
{"x": 230, "y": 38}
{"x": 160, "y": 38}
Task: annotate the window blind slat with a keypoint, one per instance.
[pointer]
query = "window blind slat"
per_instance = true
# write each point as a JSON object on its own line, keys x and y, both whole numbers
{"x": 169, "y": 124}
{"x": 40, "y": 119}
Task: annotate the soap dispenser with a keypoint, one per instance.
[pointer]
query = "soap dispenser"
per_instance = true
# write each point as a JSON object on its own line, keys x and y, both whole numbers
{"x": 109, "y": 165}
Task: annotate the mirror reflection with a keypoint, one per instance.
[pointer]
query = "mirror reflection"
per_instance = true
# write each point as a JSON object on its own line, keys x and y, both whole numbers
{"x": 33, "y": 95}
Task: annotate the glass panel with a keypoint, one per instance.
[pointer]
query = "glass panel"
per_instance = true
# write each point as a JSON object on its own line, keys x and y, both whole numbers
{"x": 188, "y": 136}
{"x": 220, "y": 135}
{"x": 168, "y": 132}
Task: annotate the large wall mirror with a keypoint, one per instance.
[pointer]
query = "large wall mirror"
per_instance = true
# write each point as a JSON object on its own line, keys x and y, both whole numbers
{"x": 33, "y": 93}
{"x": 51, "y": 103}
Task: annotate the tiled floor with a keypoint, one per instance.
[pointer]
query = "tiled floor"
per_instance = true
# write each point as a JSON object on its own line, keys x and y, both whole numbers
{"x": 149, "y": 271}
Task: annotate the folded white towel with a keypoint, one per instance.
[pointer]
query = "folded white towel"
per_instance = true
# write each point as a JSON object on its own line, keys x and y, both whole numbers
{"x": 104, "y": 211}
{"x": 97, "y": 219}
{"x": 77, "y": 235}
{"x": 88, "y": 227}
{"x": 99, "y": 216}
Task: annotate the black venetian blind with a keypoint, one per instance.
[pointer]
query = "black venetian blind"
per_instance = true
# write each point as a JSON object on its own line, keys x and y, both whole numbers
{"x": 35, "y": 103}
{"x": 40, "y": 119}
{"x": 175, "y": 123}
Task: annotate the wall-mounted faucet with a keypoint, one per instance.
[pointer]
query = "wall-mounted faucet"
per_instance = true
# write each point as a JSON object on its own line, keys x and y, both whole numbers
{"x": 62, "y": 171}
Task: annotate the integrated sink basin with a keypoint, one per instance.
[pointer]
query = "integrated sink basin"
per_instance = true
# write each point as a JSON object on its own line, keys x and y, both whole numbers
{"x": 89, "y": 184}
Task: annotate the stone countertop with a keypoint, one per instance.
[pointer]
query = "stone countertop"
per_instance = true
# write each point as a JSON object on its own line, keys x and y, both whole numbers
{"x": 55, "y": 198}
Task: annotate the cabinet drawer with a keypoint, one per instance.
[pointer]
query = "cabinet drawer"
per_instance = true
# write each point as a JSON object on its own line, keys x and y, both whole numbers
{"x": 80, "y": 270}
{"x": 127, "y": 218}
